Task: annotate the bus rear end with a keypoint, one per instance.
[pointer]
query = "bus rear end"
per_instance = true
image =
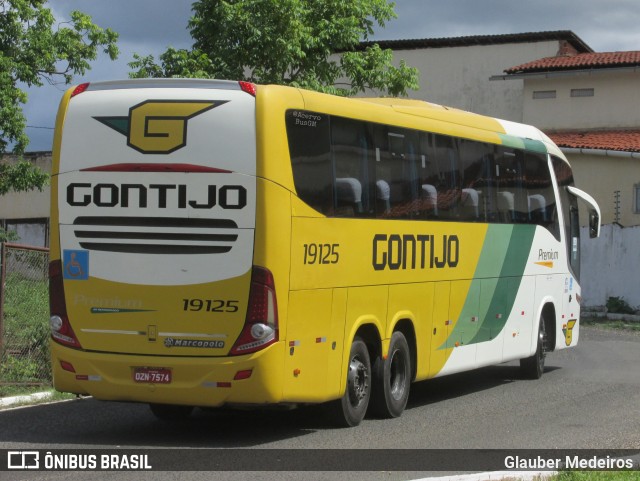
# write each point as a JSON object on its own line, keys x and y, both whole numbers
{"x": 154, "y": 295}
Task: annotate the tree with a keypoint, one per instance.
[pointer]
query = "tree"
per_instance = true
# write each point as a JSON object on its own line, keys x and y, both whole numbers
{"x": 289, "y": 42}
{"x": 33, "y": 51}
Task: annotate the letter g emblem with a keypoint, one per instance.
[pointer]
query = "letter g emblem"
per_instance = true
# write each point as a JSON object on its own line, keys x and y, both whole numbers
{"x": 159, "y": 126}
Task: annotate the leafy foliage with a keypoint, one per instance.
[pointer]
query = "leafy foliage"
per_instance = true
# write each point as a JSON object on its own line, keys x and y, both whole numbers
{"x": 34, "y": 51}
{"x": 21, "y": 176}
{"x": 618, "y": 305}
{"x": 287, "y": 42}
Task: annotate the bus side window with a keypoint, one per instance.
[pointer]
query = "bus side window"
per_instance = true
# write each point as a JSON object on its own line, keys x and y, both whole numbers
{"x": 350, "y": 150}
{"x": 448, "y": 187}
{"x": 512, "y": 202}
{"x": 540, "y": 196}
{"x": 395, "y": 179}
{"x": 476, "y": 203}
{"x": 310, "y": 151}
{"x": 427, "y": 176}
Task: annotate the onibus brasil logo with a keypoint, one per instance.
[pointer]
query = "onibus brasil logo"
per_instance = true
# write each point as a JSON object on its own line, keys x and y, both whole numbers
{"x": 158, "y": 126}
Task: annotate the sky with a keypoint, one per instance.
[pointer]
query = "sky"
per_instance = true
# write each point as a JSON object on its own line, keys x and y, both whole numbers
{"x": 150, "y": 26}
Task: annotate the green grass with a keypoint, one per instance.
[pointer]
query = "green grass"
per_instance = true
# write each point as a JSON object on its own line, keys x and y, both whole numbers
{"x": 7, "y": 390}
{"x": 25, "y": 357}
{"x": 611, "y": 324}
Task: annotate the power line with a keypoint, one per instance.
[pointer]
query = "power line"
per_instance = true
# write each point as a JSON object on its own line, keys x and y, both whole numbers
{"x": 39, "y": 127}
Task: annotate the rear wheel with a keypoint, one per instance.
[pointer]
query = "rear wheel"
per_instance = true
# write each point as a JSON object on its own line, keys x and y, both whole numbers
{"x": 392, "y": 379}
{"x": 171, "y": 412}
{"x": 350, "y": 409}
{"x": 533, "y": 367}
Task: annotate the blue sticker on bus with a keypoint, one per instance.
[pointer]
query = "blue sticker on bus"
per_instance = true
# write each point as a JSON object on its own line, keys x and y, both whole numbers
{"x": 75, "y": 265}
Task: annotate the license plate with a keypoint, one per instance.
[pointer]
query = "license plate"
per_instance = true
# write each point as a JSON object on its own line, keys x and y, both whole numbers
{"x": 152, "y": 375}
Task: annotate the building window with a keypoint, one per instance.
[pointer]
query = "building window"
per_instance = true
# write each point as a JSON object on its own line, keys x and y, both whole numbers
{"x": 544, "y": 94}
{"x": 582, "y": 92}
{"x": 31, "y": 232}
{"x": 636, "y": 197}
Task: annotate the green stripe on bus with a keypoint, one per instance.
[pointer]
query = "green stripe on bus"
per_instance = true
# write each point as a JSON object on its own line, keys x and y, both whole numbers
{"x": 502, "y": 262}
{"x": 522, "y": 143}
{"x": 507, "y": 286}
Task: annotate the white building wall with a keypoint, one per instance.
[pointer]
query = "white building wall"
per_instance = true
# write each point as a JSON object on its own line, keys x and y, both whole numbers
{"x": 28, "y": 205}
{"x": 610, "y": 265}
{"x": 602, "y": 111}
{"x": 459, "y": 76}
{"x": 27, "y": 213}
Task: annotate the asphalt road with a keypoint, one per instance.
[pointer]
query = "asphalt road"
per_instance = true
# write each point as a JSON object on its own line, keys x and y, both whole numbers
{"x": 588, "y": 398}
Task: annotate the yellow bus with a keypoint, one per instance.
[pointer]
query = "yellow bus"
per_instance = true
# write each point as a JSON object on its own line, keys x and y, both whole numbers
{"x": 221, "y": 243}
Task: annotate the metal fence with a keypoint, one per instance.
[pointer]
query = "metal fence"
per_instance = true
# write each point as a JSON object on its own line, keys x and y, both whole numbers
{"x": 24, "y": 316}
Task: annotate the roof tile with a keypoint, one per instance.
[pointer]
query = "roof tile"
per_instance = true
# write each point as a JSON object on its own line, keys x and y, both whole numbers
{"x": 618, "y": 140}
{"x": 582, "y": 61}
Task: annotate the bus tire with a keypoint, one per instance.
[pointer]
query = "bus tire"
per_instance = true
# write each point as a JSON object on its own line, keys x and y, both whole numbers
{"x": 392, "y": 379}
{"x": 171, "y": 412}
{"x": 350, "y": 409}
{"x": 533, "y": 367}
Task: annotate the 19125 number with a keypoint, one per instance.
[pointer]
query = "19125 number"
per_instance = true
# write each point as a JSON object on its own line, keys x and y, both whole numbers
{"x": 321, "y": 253}
{"x": 209, "y": 305}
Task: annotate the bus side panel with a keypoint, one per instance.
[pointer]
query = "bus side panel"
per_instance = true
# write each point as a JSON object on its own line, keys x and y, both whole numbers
{"x": 568, "y": 323}
{"x": 462, "y": 327}
{"x": 441, "y": 322}
{"x": 365, "y": 306}
{"x": 414, "y": 302}
{"x": 338, "y": 319}
{"x": 311, "y": 345}
{"x": 273, "y": 241}
{"x": 522, "y": 325}
{"x": 493, "y": 306}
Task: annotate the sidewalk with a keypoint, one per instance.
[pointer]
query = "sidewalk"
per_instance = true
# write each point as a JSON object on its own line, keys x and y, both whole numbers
{"x": 25, "y": 399}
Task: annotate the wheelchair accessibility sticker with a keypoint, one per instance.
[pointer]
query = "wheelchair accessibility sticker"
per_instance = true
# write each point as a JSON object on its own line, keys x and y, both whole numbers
{"x": 75, "y": 265}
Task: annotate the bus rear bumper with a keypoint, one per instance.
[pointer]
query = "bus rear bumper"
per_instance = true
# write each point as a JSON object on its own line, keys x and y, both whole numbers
{"x": 206, "y": 382}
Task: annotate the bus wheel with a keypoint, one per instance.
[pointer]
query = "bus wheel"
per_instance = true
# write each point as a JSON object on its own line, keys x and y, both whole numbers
{"x": 392, "y": 379}
{"x": 171, "y": 412}
{"x": 350, "y": 409}
{"x": 533, "y": 367}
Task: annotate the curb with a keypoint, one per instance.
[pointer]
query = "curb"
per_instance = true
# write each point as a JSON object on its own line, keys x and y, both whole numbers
{"x": 497, "y": 476}
{"x": 38, "y": 396}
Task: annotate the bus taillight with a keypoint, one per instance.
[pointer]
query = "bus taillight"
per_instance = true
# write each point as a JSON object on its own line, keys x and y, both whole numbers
{"x": 248, "y": 87}
{"x": 261, "y": 325}
{"x": 79, "y": 89}
{"x": 61, "y": 330}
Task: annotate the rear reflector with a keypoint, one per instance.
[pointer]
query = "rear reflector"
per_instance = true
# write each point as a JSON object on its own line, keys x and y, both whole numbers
{"x": 240, "y": 375}
{"x": 67, "y": 366}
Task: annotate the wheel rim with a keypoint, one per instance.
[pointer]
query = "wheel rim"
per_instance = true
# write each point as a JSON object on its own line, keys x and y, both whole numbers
{"x": 397, "y": 375}
{"x": 358, "y": 381}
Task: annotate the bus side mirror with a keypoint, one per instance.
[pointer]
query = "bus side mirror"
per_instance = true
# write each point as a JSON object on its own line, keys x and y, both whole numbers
{"x": 594, "y": 224}
{"x": 594, "y": 210}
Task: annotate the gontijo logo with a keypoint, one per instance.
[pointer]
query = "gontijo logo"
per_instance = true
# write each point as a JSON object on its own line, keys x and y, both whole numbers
{"x": 158, "y": 126}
